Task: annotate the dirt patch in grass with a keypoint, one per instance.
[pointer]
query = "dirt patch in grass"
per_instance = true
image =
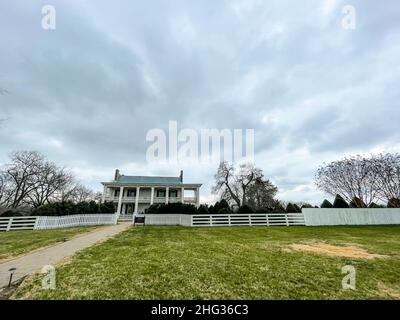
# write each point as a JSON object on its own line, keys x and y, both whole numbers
{"x": 386, "y": 291}
{"x": 336, "y": 251}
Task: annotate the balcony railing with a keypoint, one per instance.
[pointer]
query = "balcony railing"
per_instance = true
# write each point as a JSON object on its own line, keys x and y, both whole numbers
{"x": 146, "y": 199}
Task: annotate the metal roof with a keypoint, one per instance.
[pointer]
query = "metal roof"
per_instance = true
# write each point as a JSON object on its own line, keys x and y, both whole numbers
{"x": 148, "y": 180}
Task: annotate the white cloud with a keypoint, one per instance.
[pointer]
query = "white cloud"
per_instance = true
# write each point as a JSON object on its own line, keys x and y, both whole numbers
{"x": 86, "y": 94}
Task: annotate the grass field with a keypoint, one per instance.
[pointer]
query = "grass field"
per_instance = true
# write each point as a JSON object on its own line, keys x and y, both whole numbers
{"x": 228, "y": 263}
{"x": 14, "y": 243}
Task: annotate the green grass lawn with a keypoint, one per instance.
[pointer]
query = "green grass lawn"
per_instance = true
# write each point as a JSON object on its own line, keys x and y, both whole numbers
{"x": 14, "y": 243}
{"x": 227, "y": 263}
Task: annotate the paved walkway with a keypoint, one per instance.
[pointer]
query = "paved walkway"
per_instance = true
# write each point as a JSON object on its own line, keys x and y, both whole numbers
{"x": 35, "y": 261}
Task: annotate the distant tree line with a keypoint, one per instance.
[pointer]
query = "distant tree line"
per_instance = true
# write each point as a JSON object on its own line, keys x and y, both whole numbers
{"x": 221, "y": 207}
{"x": 30, "y": 181}
{"x": 362, "y": 182}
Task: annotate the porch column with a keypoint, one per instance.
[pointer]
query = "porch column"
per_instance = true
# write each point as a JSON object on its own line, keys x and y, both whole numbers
{"x": 121, "y": 193}
{"x": 166, "y": 195}
{"x": 152, "y": 196}
{"x": 103, "y": 196}
{"x": 197, "y": 195}
{"x": 137, "y": 200}
{"x": 183, "y": 195}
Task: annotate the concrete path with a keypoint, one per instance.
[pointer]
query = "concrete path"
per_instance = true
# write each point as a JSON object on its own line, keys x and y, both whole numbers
{"x": 35, "y": 261}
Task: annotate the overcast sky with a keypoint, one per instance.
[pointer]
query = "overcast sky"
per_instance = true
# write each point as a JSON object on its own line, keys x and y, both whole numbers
{"x": 86, "y": 93}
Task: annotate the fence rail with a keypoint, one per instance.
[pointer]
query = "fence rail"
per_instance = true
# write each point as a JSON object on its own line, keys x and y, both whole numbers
{"x": 257, "y": 219}
{"x": 17, "y": 223}
{"x": 200, "y": 220}
{"x": 44, "y": 222}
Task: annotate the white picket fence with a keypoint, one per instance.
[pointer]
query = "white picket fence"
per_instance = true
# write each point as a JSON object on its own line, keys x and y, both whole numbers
{"x": 44, "y": 222}
{"x": 75, "y": 221}
{"x": 256, "y": 219}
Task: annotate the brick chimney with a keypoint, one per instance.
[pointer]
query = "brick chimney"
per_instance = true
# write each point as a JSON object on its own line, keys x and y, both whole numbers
{"x": 181, "y": 176}
{"x": 117, "y": 175}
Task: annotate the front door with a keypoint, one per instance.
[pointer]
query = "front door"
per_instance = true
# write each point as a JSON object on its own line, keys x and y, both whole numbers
{"x": 129, "y": 208}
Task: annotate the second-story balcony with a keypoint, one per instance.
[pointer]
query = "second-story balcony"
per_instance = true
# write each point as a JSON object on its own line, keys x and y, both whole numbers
{"x": 147, "y": 199}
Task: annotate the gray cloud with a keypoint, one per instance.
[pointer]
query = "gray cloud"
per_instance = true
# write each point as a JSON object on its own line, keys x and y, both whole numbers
{"x": 86, "y": 93}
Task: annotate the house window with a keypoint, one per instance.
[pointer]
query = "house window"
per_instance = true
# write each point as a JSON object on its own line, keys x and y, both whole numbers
{"x": 173, "y": 193}
{"x": 116, "y": 193}
{"x": 131, "y": 193}
{"x": 161, "y": 193}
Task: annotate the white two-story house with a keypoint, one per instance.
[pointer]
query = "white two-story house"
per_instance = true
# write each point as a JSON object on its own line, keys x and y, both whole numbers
{"x": 133, "y": 194}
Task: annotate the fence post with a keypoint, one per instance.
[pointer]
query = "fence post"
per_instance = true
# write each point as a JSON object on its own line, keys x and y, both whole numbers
{"x": 266, "y": 216}
{"x": 249, "y": 217}
{"x": 36, "y": 223}
{"x": 287, "y": 221}
{"x": 9, "y": 224}
{"x": 229, "y": 220}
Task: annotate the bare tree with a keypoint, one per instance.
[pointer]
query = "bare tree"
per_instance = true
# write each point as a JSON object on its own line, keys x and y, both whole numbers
{"x": 233, "y": 184}
{"x": 77, "y": 193}
{"x": 23, "y": 170}
{"x": 351, "y": 178}
{"x": 5, "y": 194}
{"x": 225, "y": 183}
{"x": 386, "y": 169}
{"x": 50, "y": 180}
{"x": 29, "y": 179}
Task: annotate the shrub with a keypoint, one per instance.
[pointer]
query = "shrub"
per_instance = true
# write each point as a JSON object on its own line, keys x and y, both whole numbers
{"x": 357, "y": 203}
{"x": 202, "y": 209}
{"x": 340, "y": 202}
{"x": 279, "y": 208}
{"x": 393, "y": 203}
{"x": 223, "y": 204}
{"x": 172, "y": 208}
{"x": 326, "y": 204}
{"x": 107, "y": 207}
{"x": 69, "y": 208}
{"x": 245, "y": 209}
{"x": 11, "y": 213}
{"x": 224, "y": 211}
{"x": 290, "y": 208}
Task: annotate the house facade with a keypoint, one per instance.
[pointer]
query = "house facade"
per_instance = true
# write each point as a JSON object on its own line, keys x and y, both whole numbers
{"x": 134, "y": 194}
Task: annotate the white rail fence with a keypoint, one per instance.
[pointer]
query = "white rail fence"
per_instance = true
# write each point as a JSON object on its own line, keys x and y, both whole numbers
{"x": 75, "y": 221}
{"x": 17, "y": 223}
{"x": 43, "y": 223}
{"x": 257, "y": 219}
{"x": 309, "y": 217}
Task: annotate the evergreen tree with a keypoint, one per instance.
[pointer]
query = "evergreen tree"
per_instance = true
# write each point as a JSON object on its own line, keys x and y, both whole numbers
{"x": 340, "y": 202}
